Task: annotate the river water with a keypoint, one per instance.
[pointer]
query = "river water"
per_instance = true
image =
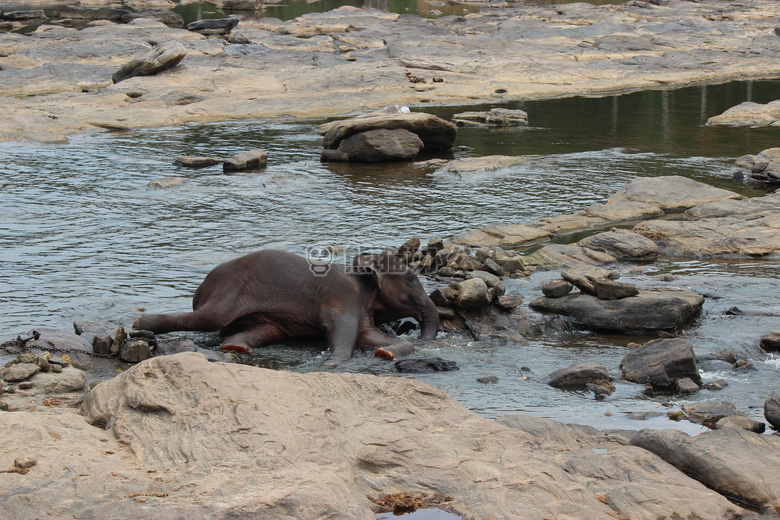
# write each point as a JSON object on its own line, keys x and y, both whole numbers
{"x": 83, "y": 237}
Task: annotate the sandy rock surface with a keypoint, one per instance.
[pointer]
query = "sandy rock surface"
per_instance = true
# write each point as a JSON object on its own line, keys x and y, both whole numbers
{"x": 57, "y": 81}
{"x": 215, "y": 440}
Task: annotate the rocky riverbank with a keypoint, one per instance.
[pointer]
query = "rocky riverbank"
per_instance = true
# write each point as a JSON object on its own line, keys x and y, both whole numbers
{"x": 181, "y": 435}
{"x": 58, "y": 80}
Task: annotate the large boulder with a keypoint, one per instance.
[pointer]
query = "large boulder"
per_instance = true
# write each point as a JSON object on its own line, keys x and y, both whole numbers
{"x": 650, "y": 310}
{"x": 376, "y": 146}
{"x": 157, "y": 59}
{"x": 661, "y": 362}
{"x": 434, "y": 132}
{"x": 735, "y": 462}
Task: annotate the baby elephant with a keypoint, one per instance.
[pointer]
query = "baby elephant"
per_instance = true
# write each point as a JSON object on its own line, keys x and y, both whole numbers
{"x": 268, "y": 296}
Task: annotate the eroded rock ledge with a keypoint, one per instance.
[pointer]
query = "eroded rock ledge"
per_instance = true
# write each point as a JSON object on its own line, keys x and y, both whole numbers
{"x": 57, "y": 81}
{"x": 186, "y": 437}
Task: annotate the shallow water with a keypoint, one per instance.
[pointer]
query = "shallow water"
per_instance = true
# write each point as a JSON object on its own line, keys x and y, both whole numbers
{"x": 82, "y": 237}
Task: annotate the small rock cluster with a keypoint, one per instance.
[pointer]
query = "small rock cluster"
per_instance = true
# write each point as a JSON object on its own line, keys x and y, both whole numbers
{"x": 18, "y": 371}
{"x": 763, "y": 168}
{"x": 132, "y": 347}
{"x": 602, "y": 287}
{"x": 456, "y": 261}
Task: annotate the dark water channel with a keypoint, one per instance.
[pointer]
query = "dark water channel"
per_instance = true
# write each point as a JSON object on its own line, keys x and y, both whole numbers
{"x": 82, "y": 237}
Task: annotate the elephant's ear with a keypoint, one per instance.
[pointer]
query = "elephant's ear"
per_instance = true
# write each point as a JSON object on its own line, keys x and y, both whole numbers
{"x": 366, "y": 264}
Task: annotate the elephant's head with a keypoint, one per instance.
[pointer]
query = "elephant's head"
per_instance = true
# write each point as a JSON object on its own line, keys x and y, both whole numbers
{"x": 399, "y": 292}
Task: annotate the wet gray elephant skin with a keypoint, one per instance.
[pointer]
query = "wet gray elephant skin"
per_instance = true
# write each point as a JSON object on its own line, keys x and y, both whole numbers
{"x": 269, "y": 296}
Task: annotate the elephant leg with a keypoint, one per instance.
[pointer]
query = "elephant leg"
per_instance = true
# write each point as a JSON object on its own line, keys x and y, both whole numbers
{"x": 251, "y": 337}
{"x": 162, "y": 323}
{"x": 387, "y": 348}
{"x": 342, "y": 333}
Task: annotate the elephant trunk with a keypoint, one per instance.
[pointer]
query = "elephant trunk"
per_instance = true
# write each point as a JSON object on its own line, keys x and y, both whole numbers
{"x": 429, "y": 320}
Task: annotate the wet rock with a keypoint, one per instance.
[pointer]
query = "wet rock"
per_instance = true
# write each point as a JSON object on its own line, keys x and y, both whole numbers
{"x": 463, "y": 262}
{"x": 754, "y": 163}
{"x": 686, "y": 385}
{"x": 771, "y": 342}
{"x": 606, "y": 289}
{"x": 578, "y": 375}
{"x": 736, "y": 463}
{"x": 720, "y": 384}
{"x": 741, "y": 423}
{"x": 557, "y": 288}
{"x": 709, "y": 412}
{"x": 196, "y": 162}
{"x": 650, "y": 310}
{"x": 661, "y": 362}
{"x": 772, "y": 411}
{"x": 243, "y": 161}
{"x": 503, "y": 235}
{"x": 242, "y": 5}
{"x": 219, "y": 26}
{"x": 490, "y": 280}
{"x": 472, "y": 294}
{"x": 376, "y": 146}
{"x": 134, "y": 350}
{"x": 157, "y": 59}
{"x": 749, "y": 113}
{"x": 488, "y": 380}
{"x": 425, "y": 364}
{"x": 166, "y": 16}
{"x": 434, "y": 132}
{"x": 166, "y": 182}
{"x": 623, "y": 245}
{"x": 580, "y": 281}
{"x": 492, "y": 267}
{"x": 493, "y": 117}
{"x": 508, "y": 302}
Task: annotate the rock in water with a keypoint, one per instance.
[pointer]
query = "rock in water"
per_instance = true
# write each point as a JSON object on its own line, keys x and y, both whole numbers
{"x": 376, "y": 146}
{"x": 157, "y": 59}
{"x": 661, "y": 362}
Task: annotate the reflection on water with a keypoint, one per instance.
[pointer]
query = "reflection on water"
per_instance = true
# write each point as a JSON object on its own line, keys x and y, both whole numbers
{"x": 83, "y": 238}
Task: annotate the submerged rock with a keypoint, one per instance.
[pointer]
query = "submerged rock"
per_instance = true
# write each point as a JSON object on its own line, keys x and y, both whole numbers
{"x": 493, "y": 117}
{"x": 250, "y": 160}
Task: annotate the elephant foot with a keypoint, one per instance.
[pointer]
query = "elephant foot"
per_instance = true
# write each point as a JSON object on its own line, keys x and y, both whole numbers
{"x": 236, "y": 347}
{"x": 383, "y": 353}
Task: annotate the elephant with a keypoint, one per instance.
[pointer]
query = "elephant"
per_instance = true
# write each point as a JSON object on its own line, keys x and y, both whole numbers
{"x": 269, "y": 296}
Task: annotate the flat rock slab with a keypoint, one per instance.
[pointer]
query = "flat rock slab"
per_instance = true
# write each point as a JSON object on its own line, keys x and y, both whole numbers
{"x": 178, "y": 431}
{"x": 650, "y": 310}
{"x": 749, "y": 228}
{"x": 749, "y": 114}
{"x": 744, "y": 463}
{"x": 671, "y": 194}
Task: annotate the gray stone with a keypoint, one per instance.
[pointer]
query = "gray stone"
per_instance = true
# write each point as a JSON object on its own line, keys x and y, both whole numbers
{"x": 213, "y": 25}
{"x": 89, "y": 13}
{"x": 493, "y": 117}
{"x": 661, "y": 362}
{"x": 134, "y": 350}
{"x": 557, "y": 288}
{"x": 578, "y": 375}
{"x": 740, "y": 422}
{"x": 772, "y": 411}
{"x": 736, "y": 463}
{"x": 771, "y": 342}
{"x": 606, "y": 289}
{"x": 249, "y": 160}
{"x": 196, "y": 162}
{"x": 648, "y": 311}
{"x": 19, "y": 372}
{"x": 686, "y": 385}
{"x": 166, "y": 182}
{"x": 434, "y": 132}
{"x": 720, "y": 384}
{"x": 157, "y": 59}
{"x": 508, "y": 302}
{"x": 490, "y": 279}
{"x": 622, "y": 244}
{"x": 376, "y": 146}
{"x": 709, "y": 412}
{"x": 472, "y": 294}
{"x": 165, "y": 16}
